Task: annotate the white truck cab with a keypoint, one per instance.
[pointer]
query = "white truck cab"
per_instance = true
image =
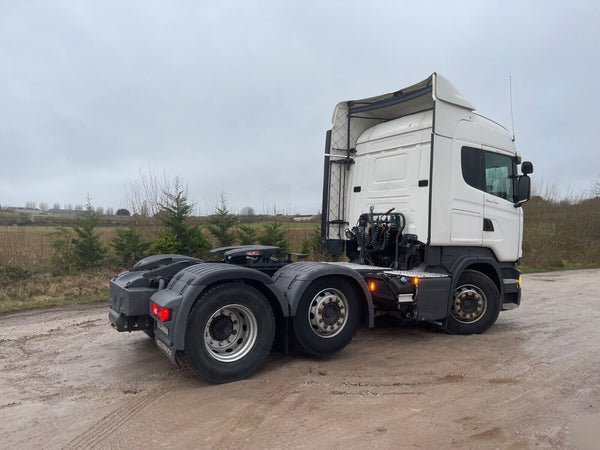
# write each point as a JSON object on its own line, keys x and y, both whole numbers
{"x": 424, "y": 153}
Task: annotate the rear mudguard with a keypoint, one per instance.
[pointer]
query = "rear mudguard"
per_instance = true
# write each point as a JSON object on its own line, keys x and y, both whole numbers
{"x": 293, "y": 279}
{"x": 185, "y": 288}
{"x": 130, "y": 292}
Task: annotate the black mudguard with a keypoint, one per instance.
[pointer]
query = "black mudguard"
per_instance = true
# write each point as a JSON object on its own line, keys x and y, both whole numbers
{"x": 189, "y": 284}
{"x": 293, "y": 280}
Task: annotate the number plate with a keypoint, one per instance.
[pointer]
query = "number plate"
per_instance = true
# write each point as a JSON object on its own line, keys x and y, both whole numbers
{"x": 162, "y": 328}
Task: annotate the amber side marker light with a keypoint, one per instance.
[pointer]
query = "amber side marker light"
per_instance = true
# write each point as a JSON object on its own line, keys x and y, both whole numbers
{"x": 416, "y": 281}
{"x": 519, "y": 280}
{"x": 372, "y": 286}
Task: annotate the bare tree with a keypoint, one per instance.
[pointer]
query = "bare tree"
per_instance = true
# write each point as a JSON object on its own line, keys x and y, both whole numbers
{"x": 595, "y": 189}
{"x": 148, "y": 192}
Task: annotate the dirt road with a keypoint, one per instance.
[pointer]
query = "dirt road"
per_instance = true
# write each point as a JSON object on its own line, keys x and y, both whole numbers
{"x": 69, "y": 381}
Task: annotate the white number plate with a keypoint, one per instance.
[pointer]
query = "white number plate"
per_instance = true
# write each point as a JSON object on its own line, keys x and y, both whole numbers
{"x": 162, "y": 328}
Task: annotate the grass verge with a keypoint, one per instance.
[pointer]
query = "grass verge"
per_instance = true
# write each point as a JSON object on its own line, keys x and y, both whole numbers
{"x": 45, "y": 290}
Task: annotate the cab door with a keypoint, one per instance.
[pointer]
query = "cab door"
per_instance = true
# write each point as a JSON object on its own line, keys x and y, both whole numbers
{"x": 502, "y": 222}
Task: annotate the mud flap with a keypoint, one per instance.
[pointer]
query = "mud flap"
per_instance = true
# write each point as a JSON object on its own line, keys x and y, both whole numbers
{"x": 432, "y": 299}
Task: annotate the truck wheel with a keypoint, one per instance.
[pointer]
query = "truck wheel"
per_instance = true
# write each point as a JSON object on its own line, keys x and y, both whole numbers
{"x": 475, "y": 304}
{"x": 229, "y": 333}
{"x": 327, "y": 316}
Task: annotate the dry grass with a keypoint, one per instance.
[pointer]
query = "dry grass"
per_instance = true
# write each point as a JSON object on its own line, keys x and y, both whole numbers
{"x": 30, "y": 247}
{"x": 561, "y": 234}
{"x": 43, "y": 290}
{"x": 25, "y": 246}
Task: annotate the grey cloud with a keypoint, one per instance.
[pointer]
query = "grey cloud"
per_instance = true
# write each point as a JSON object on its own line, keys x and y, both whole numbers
{"x": 236, "y": 96}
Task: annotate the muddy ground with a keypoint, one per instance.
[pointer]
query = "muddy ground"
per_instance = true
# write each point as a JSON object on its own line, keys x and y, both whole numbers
{"x": 69, "y": 381}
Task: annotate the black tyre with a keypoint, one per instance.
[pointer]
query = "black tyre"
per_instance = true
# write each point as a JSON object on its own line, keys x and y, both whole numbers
{"x": 475, "y": 304}
{"x": 229, "y": 333}
{"x": 327, "y": 317}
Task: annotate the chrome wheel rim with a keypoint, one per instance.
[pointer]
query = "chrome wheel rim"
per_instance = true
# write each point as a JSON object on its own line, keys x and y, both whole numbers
{"x": 230, "y": 333}
{"x": 470, "y": 304}
{"x": 328, "y": 313}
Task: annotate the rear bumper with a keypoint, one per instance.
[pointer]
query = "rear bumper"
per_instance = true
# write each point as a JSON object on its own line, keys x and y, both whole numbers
{"x": 121, "y": 322}
{"x": 130, "y": 304}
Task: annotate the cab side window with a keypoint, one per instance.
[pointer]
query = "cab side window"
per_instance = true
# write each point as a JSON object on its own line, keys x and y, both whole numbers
{"x": 498, "y": 175}
{"x": 489, "y": 172}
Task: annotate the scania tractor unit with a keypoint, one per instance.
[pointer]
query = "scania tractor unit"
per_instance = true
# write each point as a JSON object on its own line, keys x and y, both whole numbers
{"x": 421, "y": 203}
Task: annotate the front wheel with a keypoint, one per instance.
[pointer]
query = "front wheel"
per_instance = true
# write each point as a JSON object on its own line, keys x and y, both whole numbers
{"x": 327, "y": 317}
{"x": 229, "y": 333}
{"x": 475, "y": 304}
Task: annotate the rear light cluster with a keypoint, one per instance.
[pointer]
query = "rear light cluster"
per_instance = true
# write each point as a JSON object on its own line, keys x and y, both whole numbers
{"x": 162, "y": 314}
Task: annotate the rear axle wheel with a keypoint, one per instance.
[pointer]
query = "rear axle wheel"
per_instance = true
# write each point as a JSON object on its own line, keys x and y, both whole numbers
{"x": 327, "y": 316}
{"x": 229, "y": 333}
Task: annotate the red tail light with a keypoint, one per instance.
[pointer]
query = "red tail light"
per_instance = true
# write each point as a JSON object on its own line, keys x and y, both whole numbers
{"x": 162, "y": 314}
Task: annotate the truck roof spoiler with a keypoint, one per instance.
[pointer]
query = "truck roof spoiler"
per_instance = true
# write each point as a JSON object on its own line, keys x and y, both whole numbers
{"x": 381, "y": 108}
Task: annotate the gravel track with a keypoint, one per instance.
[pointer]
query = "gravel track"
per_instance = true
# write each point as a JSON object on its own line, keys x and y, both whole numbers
{"x": 70, "y": 381}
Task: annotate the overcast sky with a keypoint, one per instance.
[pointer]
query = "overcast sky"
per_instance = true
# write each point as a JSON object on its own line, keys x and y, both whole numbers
{"x": 236, "y": 96}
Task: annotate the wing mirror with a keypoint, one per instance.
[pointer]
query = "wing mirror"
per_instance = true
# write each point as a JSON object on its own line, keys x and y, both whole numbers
{"x": 523, "y": 190}
{"x": 523, "y": 184}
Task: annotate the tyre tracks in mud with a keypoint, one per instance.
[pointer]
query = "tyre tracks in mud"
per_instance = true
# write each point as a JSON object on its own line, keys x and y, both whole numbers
{"x": 94, "y": 436}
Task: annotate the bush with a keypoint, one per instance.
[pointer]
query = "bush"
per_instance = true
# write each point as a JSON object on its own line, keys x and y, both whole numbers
{"x": 177, "y": 236}
{"x": 129, "y": 246}
{"x": 247, "y": 234}
{"x": 311, "y": 244}
{"x": 221, "y": 224}
{"x": 123, "y": 212}
{"x": 78, "y": 247}
{"x": 63, "y": 256}
{"x": 274, "y": 233}
{"x": 88, "y": 250}
{"x": 11, "y": 273}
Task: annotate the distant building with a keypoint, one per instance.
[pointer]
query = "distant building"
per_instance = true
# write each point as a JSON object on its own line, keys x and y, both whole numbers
{"x": 18, "y": 209}
{"x": 64, "y": 212}
{"x": 305, "y": 218}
